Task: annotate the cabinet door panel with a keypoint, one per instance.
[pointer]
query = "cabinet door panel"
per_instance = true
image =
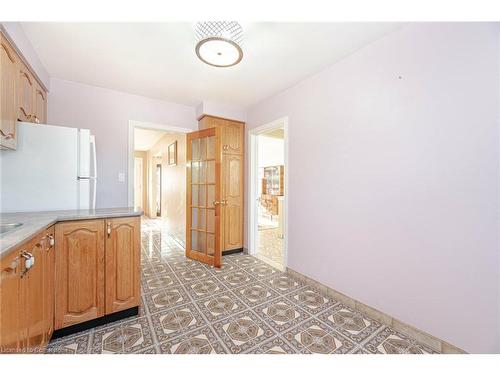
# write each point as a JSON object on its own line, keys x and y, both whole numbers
{"x": 10, "y": 304}
{"x": 123, "y": 259}
{"x": 33, "y": 293}
{"x": 233, "y": 194}
{"x": 232, "y": 138}
{"x": 8, "y": 94}
{"x": 79, "y": 272}
{"x": 26, "y": 89}
{"x": 49, "y": 285}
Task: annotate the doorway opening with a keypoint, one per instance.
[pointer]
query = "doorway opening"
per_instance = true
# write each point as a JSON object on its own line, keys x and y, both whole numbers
{"x": 157, "y": 155}
{"x": 268, "y": 193}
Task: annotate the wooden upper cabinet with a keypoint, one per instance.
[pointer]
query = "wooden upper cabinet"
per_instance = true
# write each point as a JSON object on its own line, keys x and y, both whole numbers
{"x": 39, "y": 104}
{"x": 10, "y": 304}
{"x": 8, "y": 94}
{"x": 79, "y": 272}
{"x": 123, "y": 264}
{"x": 232, "y": 191}
{"x": 26, "y": 94}
{"x": 232, "y": 133}
{"x": 232, "y": 138}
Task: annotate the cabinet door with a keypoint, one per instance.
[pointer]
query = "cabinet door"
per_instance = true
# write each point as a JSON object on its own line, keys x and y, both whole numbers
{"x": 26, "y": 90}
{"x": 40, "y": 104}
{"x": 232, "y": 191}
{"x": 123, "y": 264}
{"x": 8, "y": 94}
{"x": 49, "y": 285}
{"x": 10, "y": 303}
{"x": 32, "y": 285}
{"x": 79, "y": 272}
{"x": 232, "y": 138}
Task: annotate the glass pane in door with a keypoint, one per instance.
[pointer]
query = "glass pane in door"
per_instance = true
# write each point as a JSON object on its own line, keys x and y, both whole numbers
{"x": 203, "y": 220}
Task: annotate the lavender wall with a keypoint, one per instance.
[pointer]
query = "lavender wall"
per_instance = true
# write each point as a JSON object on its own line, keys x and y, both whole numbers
{"x": 107, "y": 113}
{"x": 400, "y": 210}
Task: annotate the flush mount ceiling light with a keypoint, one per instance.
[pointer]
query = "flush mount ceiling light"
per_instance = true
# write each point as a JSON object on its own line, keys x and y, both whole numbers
{"x": 219, "y": 43}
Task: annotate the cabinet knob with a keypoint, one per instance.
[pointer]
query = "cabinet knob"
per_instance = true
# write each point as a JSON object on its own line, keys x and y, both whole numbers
{"x": 51, "y": 240}
{"x": 29, "y": 261}
{"x": 109, "y": 229}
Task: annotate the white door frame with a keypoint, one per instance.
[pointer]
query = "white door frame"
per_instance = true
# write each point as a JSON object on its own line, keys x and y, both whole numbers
{"x": 253, "y": 189}
{"x": 131, "y": 135}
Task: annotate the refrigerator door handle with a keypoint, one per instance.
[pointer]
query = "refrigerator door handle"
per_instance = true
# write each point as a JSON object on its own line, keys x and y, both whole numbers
{"x": 94, "y": 158}
{"x": 86, "y": 178}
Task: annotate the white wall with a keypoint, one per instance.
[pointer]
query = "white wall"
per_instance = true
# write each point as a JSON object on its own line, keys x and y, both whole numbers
{"x": 394, "y": 178}
{"x": 271, "y": 151}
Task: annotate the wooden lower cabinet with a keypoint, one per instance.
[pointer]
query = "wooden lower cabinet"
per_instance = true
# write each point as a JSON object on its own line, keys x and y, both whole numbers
{"x": 123, "y": 264}
{"x": 26, "y": 294}
{"x": 11, "y": 324}
{"x": 79, "y": 272}
{"x": 97, "y": 269}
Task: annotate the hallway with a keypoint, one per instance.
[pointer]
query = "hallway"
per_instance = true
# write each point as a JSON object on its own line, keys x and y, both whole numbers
{"x": 245, "y": 307}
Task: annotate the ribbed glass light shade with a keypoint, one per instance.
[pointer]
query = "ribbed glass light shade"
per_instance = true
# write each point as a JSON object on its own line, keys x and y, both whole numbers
{"x": 219, "y": 42}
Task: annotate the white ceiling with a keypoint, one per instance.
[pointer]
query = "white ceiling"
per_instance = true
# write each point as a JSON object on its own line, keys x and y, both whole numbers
{"x": 158, "y": 59}
{"x": 144, "y": 139}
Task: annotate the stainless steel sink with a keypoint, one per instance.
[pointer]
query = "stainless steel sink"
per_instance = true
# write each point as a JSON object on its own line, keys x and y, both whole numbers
{"x": 4, "y": 228}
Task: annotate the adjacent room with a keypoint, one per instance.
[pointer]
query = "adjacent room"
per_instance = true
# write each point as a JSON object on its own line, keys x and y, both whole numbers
{"x": 250, "y": 187}
{"x": 271, "y": 197}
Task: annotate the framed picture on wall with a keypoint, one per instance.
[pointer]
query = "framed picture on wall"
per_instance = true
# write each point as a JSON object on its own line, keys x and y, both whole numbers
{"x": 172, "y": 153}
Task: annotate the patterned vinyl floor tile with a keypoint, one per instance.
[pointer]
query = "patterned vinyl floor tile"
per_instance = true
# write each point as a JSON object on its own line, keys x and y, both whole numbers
{"x": 255, "y": 293}
{"x": 176, "y": 321}
{"x": 203, "y": 288}
{"x": 311, "y": 300}
{"x": 389, "y": 341}
{"x": 313, "y": 336}
{"x": 166, "y": 298}
{"x": 242, "y": 331}
{"x": 276, "y": 345}
{"x": 220, "y": 306}
{"x": 247, "y": 306}
{"x": 349, "y": 322}
{"x": 200, "y": 341}
{"x": 281, "y": 314}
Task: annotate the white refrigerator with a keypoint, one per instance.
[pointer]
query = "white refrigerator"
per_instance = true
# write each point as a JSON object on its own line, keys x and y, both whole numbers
{"x": 53, "y": 168}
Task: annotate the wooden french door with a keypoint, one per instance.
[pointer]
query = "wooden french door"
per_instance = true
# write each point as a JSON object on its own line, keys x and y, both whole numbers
{"x": 203, "y": 196}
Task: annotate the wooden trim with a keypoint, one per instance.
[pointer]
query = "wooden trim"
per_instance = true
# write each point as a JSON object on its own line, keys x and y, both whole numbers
{"x": 220, "y": 118}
